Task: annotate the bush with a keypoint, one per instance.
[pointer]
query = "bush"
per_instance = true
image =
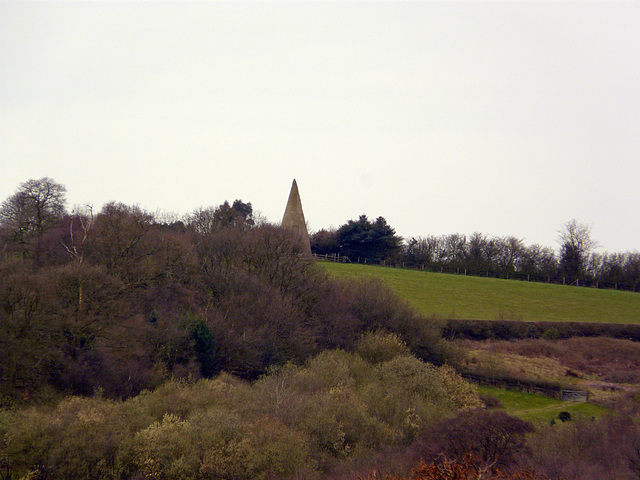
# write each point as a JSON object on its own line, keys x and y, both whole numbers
{"x": 164, "y": 450}
{"x": 494, "y": 437}
{"x": 79, "y": 439}
{"x": 586, "y": 449}
{"x": 517, "y": 330}
{"x": 466, "y": 468}
{"x": 551, "y": 334}
{"x": 490, "y": 402}
{"x": 410, "y": 394}
{"x": 380, "y": 347}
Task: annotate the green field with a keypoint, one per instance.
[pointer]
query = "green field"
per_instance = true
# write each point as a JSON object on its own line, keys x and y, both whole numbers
{"x": 536, "y": 408}
{"x": 465, "y": 297}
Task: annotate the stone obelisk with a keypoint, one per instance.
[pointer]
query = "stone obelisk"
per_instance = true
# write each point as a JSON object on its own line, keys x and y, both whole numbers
{"x": 293, "y": 218}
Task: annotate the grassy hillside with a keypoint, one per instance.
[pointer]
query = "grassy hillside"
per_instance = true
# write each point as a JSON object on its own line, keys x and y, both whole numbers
{"x": 539, "y": 409}
{"x": 456, "y": 296}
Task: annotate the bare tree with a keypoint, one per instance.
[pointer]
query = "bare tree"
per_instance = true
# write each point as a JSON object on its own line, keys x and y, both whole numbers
{"x": 207, "y": 220}
{"x": 29, "y": 212}
{"x": 455, "y": 246}
{"x": 539, "y": 260}
{"x": 493, "y": 437}
{"x": 75, "y": 247}
{"x": 576, "y": 246}
{"x": 510, "y": 253}
{"x": 483, "y": 253}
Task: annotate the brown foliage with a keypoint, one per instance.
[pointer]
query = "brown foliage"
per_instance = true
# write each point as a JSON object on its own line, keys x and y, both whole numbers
{"x": 602, "y": 449}
{"x": 493, "y": 437}
{"x": 118, "y": 301}
{"x": 614, "y": 360}
{"x": 467, "y": 467}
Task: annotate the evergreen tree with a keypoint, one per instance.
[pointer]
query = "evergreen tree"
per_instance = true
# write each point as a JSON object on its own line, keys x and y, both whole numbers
{"x": 365, "y": 239}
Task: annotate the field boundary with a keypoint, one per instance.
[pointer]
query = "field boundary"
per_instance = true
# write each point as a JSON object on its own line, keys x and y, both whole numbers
{"x": 556, "y": 392}
{"x": 455, "y": 329}
{"x": 524, "y": 277}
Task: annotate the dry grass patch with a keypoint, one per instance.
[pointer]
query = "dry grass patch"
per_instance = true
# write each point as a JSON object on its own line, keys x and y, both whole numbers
{"x": 602, "y": 358}
{"x": 512, "y": 365}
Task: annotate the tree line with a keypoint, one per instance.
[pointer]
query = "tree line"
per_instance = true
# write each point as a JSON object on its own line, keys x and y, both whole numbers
{"x": 119, "y": 300}
{"x": 576, "y": 261}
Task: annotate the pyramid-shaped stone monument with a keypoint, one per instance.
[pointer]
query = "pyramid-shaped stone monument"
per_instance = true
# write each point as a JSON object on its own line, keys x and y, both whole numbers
{"x": 293, "y": 218}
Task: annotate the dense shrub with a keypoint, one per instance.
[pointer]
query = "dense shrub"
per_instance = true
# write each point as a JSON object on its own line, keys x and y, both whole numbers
{"x": 296, "y": 421}
{"x": 490, "y": 401}
{"x": 79, "y": 439}
{"x": 377, "y": 348}
{"x": 119, "y": 302}
{"x": 518, "y": 330}
{"x": 588, "y": 449}
{"x": 465, "y": 468}
{"x": 492, "y": 436}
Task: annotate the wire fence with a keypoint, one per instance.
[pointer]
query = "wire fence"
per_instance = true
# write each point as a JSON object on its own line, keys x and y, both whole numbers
{"x": 556, "y": 392}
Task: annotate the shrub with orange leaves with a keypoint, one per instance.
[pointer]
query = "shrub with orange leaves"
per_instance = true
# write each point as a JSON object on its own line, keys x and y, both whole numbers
{"x": 466, "y": 468}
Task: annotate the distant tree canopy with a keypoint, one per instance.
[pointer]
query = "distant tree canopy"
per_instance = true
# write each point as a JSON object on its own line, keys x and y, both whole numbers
{"x": 363, "y": 238}
{"x": 480, "y": 254}
{"x": 325, "y": 242}
{"x": 209, "y": 219}
{"x": 29, "y": 213}
{"x": 575, "y": 249}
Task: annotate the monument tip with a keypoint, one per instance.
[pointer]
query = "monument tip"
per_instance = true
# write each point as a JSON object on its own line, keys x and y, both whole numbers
{"x": 293, "y": 218}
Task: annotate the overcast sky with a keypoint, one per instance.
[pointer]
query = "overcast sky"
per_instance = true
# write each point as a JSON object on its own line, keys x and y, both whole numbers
{"x": 507, "y": 118}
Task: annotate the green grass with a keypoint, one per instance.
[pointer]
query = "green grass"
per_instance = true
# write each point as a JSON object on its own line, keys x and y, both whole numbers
{"x": 539, "y": 409}
{"x": 466, "y": 297}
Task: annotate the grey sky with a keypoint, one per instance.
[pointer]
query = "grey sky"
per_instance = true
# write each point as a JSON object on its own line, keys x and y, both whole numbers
{"x": 508, "y": 118}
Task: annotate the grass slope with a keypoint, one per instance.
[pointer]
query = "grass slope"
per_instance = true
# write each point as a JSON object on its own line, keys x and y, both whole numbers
{"x": 456, "y": 296}
{"x": 539, "y": 409}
